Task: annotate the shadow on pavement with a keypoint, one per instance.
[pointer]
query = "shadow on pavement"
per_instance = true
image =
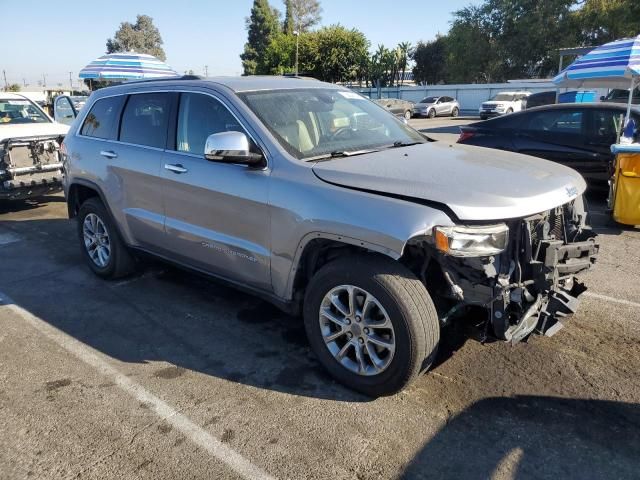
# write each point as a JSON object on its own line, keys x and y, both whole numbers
{"x": 162, "y": 314}
{"x": 534, "y": 437}
{"x": 7, "y": 206}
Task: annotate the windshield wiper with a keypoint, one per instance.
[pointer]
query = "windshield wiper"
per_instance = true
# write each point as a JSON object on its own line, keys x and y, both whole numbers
{"x": 339, "y": 154}
{"x": 403, "y": 144}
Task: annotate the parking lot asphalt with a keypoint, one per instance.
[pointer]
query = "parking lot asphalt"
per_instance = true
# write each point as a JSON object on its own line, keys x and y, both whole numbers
{"x": 169, "y": 375}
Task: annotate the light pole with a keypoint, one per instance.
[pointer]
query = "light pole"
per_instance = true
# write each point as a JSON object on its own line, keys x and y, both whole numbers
{"x": 70, "y": 83}
{"x": 206, "y": 70}
{"x": 297, "y": 34}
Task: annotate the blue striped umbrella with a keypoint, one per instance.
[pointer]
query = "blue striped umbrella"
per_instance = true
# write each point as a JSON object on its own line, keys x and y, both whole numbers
{"x": 126, "y": 66}
{"x": 612, "y": 65}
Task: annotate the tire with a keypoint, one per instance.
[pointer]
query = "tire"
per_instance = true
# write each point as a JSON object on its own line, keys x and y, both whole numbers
{"x": 455, "y": 112}
{"x": 432, "y": 113}
{"x": 119, "y": 262}
{"x": 407, "y": 115}
{"x": 483, "y": 117}
{"x": 509, "y": 111}
{"x": 409, "y": 309}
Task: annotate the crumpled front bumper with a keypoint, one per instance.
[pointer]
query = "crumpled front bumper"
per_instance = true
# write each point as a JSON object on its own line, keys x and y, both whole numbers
{"x": 531, "y": 286}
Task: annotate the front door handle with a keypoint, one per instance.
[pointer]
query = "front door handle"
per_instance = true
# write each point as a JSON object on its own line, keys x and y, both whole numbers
{"x": 108, "y": 153}
{"x": 175, "y": 168}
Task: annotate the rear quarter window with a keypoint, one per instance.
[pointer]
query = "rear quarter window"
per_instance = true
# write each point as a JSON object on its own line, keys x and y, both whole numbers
{"x": 101, "y": 119}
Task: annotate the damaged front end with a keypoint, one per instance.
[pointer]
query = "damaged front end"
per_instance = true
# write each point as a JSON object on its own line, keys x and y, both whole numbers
{"x": 30, "y": 166}
{"x": 530, "y": 285}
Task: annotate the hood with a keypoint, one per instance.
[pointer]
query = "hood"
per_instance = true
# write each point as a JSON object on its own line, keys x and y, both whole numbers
{"x": 496, "y": 102}
{"x": 476, "y": 183}
{"x": 32, "y": 129}
{"x": 424, "y": 104}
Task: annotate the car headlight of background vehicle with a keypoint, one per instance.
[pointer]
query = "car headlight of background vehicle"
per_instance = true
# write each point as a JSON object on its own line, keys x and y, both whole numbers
{"x": 471, "y": 241}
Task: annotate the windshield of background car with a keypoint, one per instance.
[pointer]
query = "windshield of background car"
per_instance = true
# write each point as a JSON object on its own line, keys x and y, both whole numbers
{"x": 314, "y": 122}
{"x": 503, "y": 97}
{"x": 429, "y": 100}
{"x": 20, "y": 111}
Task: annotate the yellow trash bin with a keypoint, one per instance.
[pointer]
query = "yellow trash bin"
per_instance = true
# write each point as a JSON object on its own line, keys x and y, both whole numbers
{"x": 626, "y": 178}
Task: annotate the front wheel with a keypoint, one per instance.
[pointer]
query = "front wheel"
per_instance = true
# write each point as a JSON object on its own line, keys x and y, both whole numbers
{"x": 371, "y": 323}
{"x": 509, "y": 111}
{"x": 407, "y": 115}
{"x": 455, "y": 112}
{"x": 432, "y": 113}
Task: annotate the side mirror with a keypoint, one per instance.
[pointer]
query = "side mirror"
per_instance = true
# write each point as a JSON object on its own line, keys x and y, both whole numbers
{"x": 63, "y": 110}
{"x": 231, "y": 147}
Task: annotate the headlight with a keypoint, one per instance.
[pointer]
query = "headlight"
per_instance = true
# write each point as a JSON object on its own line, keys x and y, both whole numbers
{"x": 478, "y": 241}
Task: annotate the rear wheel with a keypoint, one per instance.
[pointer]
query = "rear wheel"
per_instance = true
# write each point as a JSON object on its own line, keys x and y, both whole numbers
{"x": 432, "y": 113}
{"x": 407, "y": 115}
{"x": 371, "y": 323}
{"x": 104, "y": 250}
{"x": 455, "y": 112}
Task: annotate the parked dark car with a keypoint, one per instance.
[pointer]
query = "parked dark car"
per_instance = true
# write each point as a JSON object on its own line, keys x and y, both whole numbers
{"x": 540, "y": 99}
{"x": 400, "y": 108}
{"x": 618, "y": 95}
{"x": 578, "y": 135}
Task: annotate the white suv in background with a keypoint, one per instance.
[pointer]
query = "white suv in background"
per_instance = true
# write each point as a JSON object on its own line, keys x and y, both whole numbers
{"x": 503, "y": 103}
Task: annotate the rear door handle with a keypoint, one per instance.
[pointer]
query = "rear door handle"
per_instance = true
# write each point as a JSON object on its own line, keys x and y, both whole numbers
{"x": 108, "y": 153}
{"x": 175, "y": 168}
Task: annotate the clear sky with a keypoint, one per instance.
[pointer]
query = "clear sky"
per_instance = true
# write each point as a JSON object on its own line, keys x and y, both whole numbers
{"x": 40, "y": 37}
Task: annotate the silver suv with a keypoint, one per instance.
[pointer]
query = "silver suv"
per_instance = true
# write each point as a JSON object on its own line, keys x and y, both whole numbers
{"x": 327, "y": 205}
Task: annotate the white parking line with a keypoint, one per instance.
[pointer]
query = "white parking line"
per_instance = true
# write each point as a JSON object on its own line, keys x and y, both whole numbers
{"x": 612, "y": 299}
{"x": 197, "y": 435}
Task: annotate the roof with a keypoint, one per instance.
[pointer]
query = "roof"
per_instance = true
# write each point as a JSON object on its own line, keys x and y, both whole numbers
{"x": 11, "y": 96}
{"x": 588, "y": 105}
{"x": 238, "y": 84}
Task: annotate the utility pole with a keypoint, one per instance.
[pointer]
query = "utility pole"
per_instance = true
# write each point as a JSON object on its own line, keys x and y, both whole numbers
{"x": 297, "y": 34}
{"x": 70, "y": 83}
{"x": 206, "y": 70}
{"x": 6, "y": 85}
{"x": 44, "y": 80}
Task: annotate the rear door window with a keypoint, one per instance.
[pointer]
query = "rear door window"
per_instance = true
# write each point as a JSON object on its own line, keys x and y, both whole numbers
{"x": 556, "y": 121}
{"x": 101, "y": 120}
{"x": 604, "y": 126}
{"x": 145, "y": 119}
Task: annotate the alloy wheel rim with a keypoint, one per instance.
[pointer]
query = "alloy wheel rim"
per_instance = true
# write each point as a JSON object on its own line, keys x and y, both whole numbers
{"x": 357, "y": 330}
{"x": 96, "y": 240}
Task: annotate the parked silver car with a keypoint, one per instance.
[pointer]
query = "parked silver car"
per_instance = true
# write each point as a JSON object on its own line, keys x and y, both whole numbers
{"x": 436, "y": 106}
{"x": 312, "y": 197}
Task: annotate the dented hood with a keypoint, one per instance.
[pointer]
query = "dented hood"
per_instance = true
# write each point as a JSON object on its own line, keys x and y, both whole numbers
{"x": 475, "y": 183}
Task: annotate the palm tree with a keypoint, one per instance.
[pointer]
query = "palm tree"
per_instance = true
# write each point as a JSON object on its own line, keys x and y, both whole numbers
{"x": 405, "y": 48}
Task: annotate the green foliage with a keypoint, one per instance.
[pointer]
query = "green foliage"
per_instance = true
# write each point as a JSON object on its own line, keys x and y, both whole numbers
{"x": 140, "y": 37}
{"x": 602, "y": 21}
{"x": 262, "y": 25}
{"x": 430, "y": 61}
{"x": 14, "y": 87}
{"x": 288, "y": 26}
{"x": 340, "y": 53}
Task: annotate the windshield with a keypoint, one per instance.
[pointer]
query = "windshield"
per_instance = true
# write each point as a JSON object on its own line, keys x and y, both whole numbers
{"x": 429, "y": 100}
{"x": 314, "y": 122}
{"x": 20, "y": 111}
{"x": 504, "y": 97}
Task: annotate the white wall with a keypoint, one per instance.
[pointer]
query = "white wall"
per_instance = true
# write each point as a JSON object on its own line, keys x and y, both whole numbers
{"x": 469, "y": 96}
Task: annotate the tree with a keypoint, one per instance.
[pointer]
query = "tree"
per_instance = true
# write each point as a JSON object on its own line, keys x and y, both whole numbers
{"x": 602, "y": 21}
{"x": 430, "y": 61}
{"x": 140, "y": 37}
{"x": 288, "y": 26}
{"x": 340, "y": 53}
{"x": 262, "y": 25}
{"x": 306, "y": 14}
{"x": 14, "y": 87}
{"x": 405, "y": 50}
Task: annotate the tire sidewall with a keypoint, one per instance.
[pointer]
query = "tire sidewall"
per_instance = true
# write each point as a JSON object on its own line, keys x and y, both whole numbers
{"x": 96, "y": 207}
{"x": 455, "y": 112}
{"x": 394, "y": 377}
{"x": 407, "y": 115}
{"x": 431, "y": 113}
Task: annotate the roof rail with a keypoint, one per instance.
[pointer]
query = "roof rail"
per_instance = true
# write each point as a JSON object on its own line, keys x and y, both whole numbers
{"x": 159, "y": 79}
